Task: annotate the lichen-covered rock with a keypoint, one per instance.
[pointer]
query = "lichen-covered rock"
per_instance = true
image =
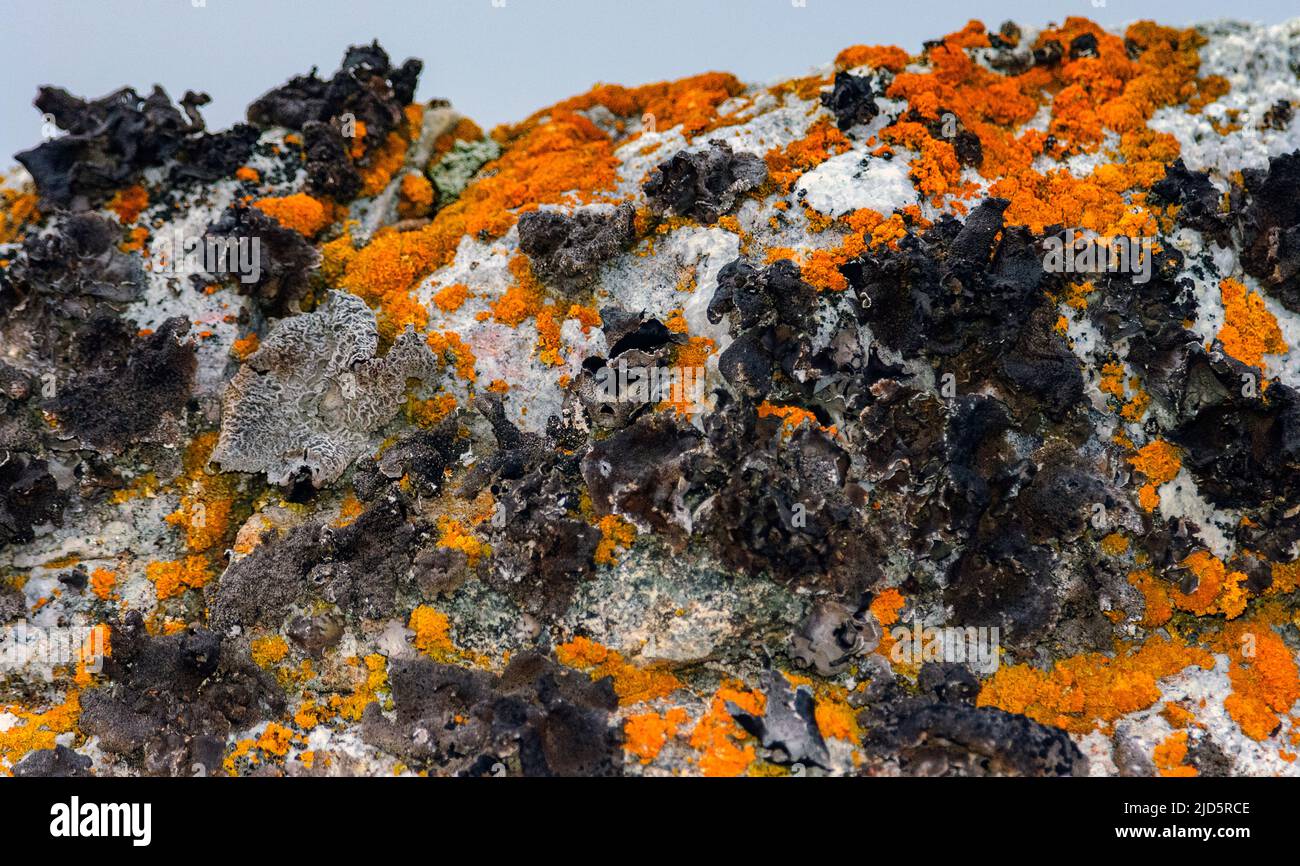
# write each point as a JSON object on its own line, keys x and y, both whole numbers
{"x": 929, "y": 414}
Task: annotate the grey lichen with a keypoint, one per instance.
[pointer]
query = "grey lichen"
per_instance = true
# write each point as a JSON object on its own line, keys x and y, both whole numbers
{"x": 312, "y": 395}
{"x": 452, "y": 173}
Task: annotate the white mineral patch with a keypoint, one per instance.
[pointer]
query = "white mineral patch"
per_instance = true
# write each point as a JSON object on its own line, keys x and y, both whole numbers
{"x": 850, "y": 182}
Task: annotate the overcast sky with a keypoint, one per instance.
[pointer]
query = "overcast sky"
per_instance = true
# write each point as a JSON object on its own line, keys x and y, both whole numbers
{"x": 496, "y": 60}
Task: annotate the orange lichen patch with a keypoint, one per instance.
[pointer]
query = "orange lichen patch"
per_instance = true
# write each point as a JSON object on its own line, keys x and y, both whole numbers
{"x": 1249, "y": 330}
{"x": 433, "y": 634}
{"x": 586, "y": 317}
{"x": 1286, "y": 577}
{"x": 1218, "y": 591}
{"x": 549, "y": 344}
{"x": 450, "y": 349}
{"x": 275, "y": 740}
{"x": 302, "y": 213}
{"x": 822, "y": 141}
{"x": 268, "y": 651}
{"x": 36, "y": 730}
{"x": 1159, "y": 605}
{"x": 632, "y": 684}
{"x": 676, "y": 322}
{"x": 1177, "y": 716}
{"x": 372, "y": 686}
{"x": 616, "y": 535}
{"x": 172, "y": 577}
{"x": 1114, "y": 544}
{"x": 499, "y": 386}
{"x": 17, "y": 211}
{"x": 431, "y": 412}
{"x": 103, "y": 583}
{"x": 135, "y": 241}
{"x": 691, "y": 102}
{"x": 1264, "y": 677}
{"x": 127, "y": 203}
{"x": 1085, "y": 691}
{"x": 887, "y": 605}
{"x": 415, "y": 195}
{"x": 1111, "y": 381}
{"x": 719, "y": 738}
{"x": 450, "y": 298}
{"x": 889, "y": 57}
{"x": 1159, "y": 462}
{"x": 452, "y": 534}
{"x": 349, "y": 510}
{"x": 523, "y": 298}
{"x": 644, "y": 734}
{"x": 384, "y": 161}
{"x": 791, "y": 417}
{"x": 245, "y": 345}
{"x": 1089, "y": 95}
{"x": 248, "y": 174}
{"x": 1170, "y": 755}
{"x": 205, "y": 511}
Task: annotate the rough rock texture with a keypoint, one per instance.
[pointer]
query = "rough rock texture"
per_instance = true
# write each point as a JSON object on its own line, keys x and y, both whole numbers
{"x": 928, "y": 414}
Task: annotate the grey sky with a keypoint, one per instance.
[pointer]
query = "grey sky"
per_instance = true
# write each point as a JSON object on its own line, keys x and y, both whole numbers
{"x": 494, "y": 63}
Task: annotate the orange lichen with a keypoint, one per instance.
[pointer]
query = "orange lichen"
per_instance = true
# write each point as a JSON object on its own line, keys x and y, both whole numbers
{"x": 1170, "y": 755}
{"x": 1114, "y": 544}
{"x": 415, "y": 195}
{"x": 274, "y": 740}
{"x": 247, "y": 174}
{"x": 268, "y": 651}
{"x": 1156, "y": 593}
{"x": 690, "y": 102}
{"x": 103, "y": 583}
{"x": 1249, "y": 330}
{"x": 791, "y": 417}
{"x": 450, "y": 349}
{"x": 372, "y": 685}
{"x": 1159, "y": 461}
{"x": 1089, "y": 95}
{"x": 245, "y": 345}
{"x": 1218, "y": 591}
{"x": 349, "y": 510}
{"x": 35, "y": 730}
{"x": 1265, "y": 680}
{"x": 433, "y": 634}
{"x": 431, "y": 412}
{"x": 172, "y": 577}
{"x": 17, "y": 211}
{"x": 450, "y": 298}
{"x": 616, "y": 535}
{"x": 1085, "y": 691}
{"x": 300, "y": 212}
{"x": 523, "y": 298}
{"x": 632, "y": 684}
{"x": 719, "y": 738}
{"x": 128, "y": 203}
{"x": 644, "y": 734}
{"x": 822, "y": 141}
{"x": 453, "y": 535}
{"x": 889, "y": 57}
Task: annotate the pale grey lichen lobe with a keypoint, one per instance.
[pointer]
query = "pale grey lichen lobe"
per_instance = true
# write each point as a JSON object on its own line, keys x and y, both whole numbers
{"x": 312, "y": 395}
